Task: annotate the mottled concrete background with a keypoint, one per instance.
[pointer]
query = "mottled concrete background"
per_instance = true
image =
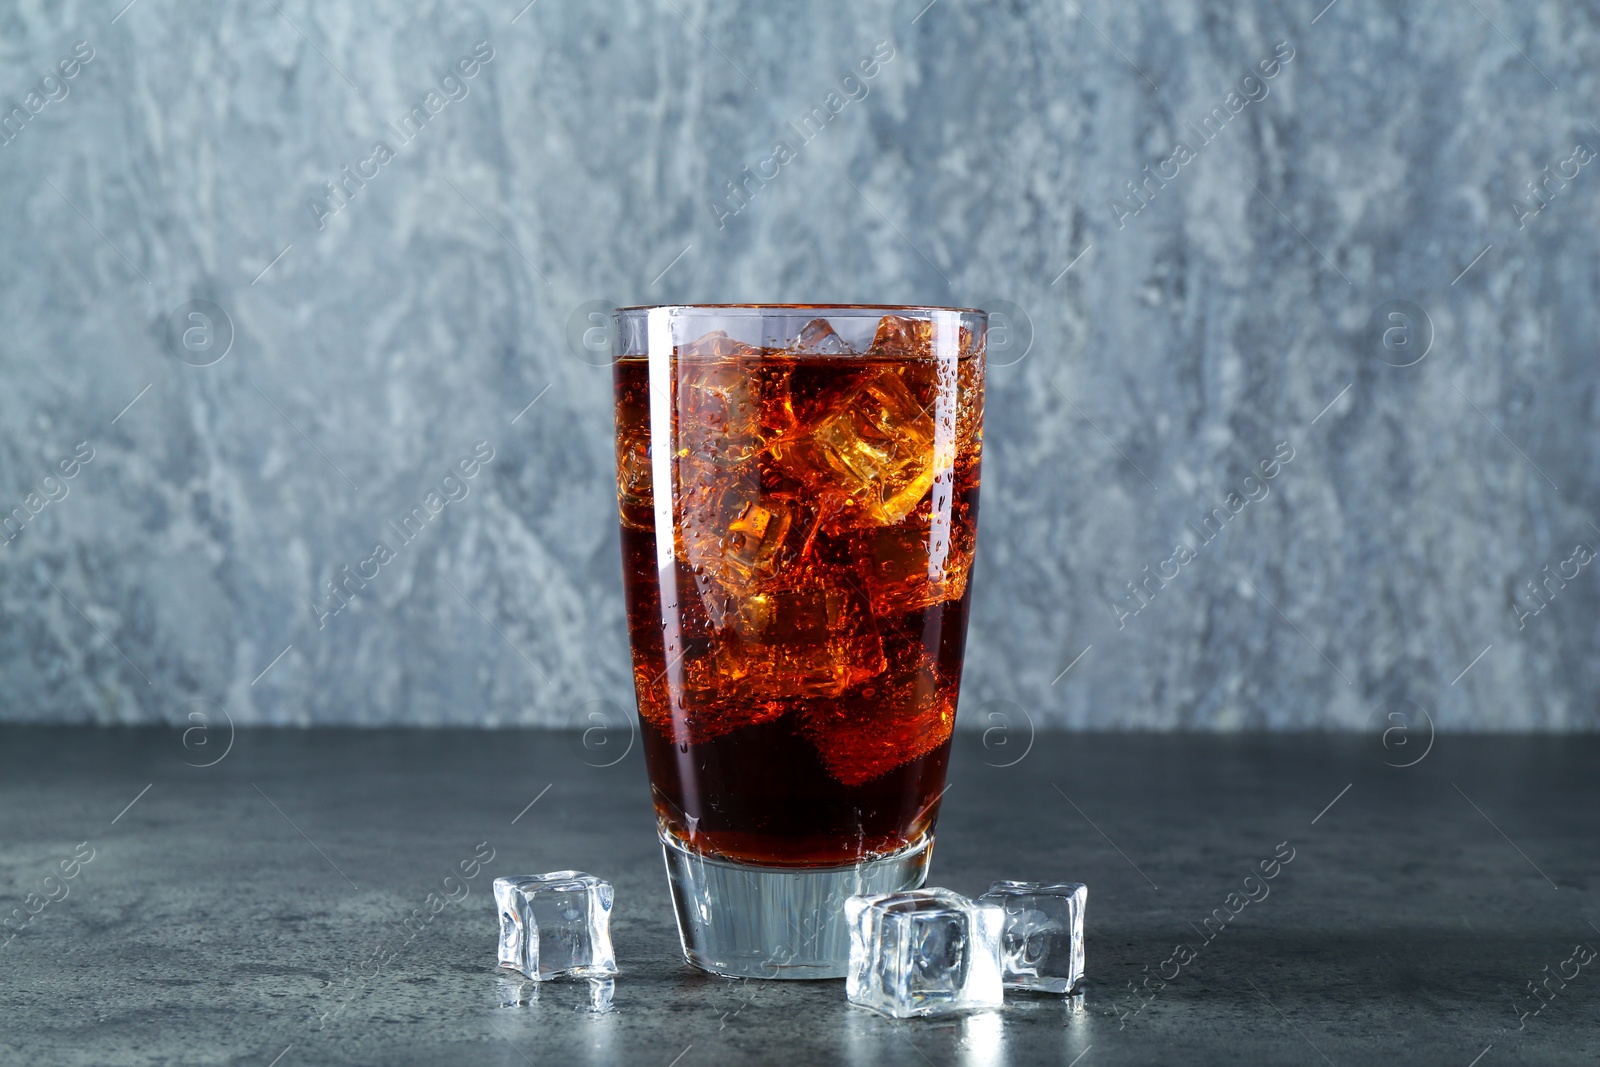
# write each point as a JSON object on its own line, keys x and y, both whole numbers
{"x": 1160, "y": 345}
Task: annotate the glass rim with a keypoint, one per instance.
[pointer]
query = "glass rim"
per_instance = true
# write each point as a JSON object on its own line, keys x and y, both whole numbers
{"x": 845, "y": 309}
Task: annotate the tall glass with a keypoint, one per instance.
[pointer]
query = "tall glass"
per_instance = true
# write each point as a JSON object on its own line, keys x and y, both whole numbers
{"x": 798, "y": 492}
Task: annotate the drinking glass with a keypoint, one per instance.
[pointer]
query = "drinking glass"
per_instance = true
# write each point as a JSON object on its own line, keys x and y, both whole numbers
{"x": 798, "y": 492}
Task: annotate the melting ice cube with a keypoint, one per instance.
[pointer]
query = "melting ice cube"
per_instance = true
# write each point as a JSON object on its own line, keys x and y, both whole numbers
{"x": 923, "y": 952}
{"x": 556, "y": 925}
{"x": 1043, "y": 943}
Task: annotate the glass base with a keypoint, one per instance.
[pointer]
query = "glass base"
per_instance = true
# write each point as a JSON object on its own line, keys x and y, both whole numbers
{"x": 747, "y": 921}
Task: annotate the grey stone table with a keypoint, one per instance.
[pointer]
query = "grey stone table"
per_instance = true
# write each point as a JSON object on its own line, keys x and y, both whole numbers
{"x": 253, "y": 911}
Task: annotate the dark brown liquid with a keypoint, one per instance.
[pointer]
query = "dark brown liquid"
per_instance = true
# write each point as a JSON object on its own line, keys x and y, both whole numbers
{"x": 797, "y": 654}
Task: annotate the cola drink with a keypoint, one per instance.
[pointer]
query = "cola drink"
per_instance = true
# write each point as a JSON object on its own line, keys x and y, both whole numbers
{"x": 797, "y": 491}
{"x": 799, "y": 516}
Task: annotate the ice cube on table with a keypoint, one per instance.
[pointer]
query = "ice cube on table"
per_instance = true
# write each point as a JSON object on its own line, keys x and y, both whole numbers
{"x": 1042, "y": 948}
{"x": 556, "y": 925}
{"x": 923, "y": 952}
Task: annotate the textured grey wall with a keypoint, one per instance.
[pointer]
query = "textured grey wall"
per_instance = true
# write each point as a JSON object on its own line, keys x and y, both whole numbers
{"x": 1179, "y": 338}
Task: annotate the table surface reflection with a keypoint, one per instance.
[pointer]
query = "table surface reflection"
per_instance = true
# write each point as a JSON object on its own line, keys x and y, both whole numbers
{"x": 305, "y": 898}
